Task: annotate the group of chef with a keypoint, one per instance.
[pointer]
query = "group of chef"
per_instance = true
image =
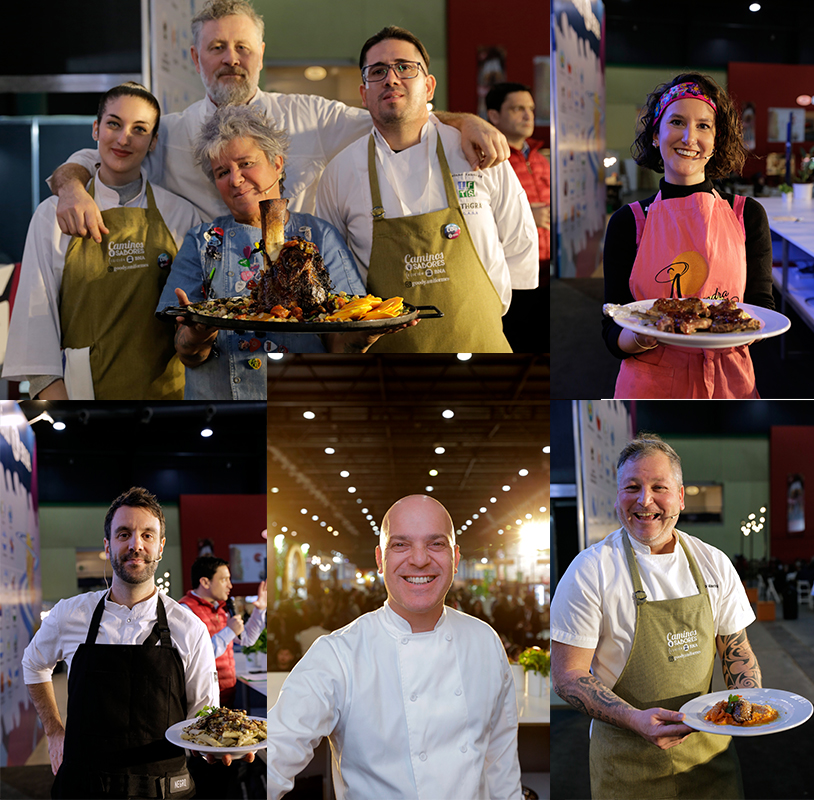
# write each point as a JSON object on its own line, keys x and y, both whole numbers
{"x": 426, "y": 202}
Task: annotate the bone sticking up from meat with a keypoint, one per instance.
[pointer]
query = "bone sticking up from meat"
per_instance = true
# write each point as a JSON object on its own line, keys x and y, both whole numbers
{"x": 272, "y": 224}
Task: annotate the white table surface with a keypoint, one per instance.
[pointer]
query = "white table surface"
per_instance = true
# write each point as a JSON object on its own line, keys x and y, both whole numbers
{"x": 255, "y": 680}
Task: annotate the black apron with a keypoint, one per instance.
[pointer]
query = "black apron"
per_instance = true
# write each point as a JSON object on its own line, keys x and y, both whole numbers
{"x": 121, "y": 700}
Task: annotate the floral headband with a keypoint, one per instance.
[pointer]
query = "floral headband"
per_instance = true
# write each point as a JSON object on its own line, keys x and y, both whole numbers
{"x": 679, "y": 91}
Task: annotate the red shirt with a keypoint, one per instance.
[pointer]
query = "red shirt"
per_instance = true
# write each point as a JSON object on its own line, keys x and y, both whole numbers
{"x": 535, "y": 177}
{"x": 215, "y": 621}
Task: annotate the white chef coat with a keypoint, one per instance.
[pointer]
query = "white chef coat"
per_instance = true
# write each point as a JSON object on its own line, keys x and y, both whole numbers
{"x": 318, "y": 128}
{"x": 409, "y": 715}
{"x": 66, "y": 627}
{"x": 494, "y": 203}
{"x": 593, "y": 605}
{"x": 35, "y": 333}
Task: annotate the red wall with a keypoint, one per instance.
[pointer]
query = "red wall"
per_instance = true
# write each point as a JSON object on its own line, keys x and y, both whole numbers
{"x": 522, "y": 29}
{"x": 226, "y": 519}
{"x": 769, "y": 86}
{"x": 791, "y": 451}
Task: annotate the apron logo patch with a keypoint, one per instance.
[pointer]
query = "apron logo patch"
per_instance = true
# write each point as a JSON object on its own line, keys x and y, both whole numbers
{"x": 126, "y": 255}
{"x": 424, "y": 269}
{"x": 179, "y": 784}
{"x": 682, "y": 645}
{"x": 465, "y": 188}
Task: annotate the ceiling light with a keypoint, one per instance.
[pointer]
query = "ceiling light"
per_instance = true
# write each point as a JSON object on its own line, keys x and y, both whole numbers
{"x": 523, "y": 473}
{"x": 484, "y": 561}
{"x": 335, "y": 533}
{"x": 303, "y": 511}
{"x": 464, "y": 356}
{"x": 309, "y": 414}
{"x": 543, "y": 509}
{"x": 754, "y": 7}
{"x": 322, "y": 524}
{"x": 475, "y": 516}
{"x": 329, "y": 451}
{"x": 433, "y": 473}
{"x": 315, "y": 73}
{"x": 344, "y": 474}
{"x": 60, "y": 426}
{"x": 447, "y": 414}
{"x": 284, "y": 529}
{"x": 428, "y": 488}
{"x": 314, "y": 517}
{"x": 274, "y": 490}
{"x": 275, "y": 356}
{"x": 493, "y": 499}
{"x": 351, "y": 489}
{"x": 528, "y": 516}
{"x": 547, "y": 449}
{"x": 365, "y": 510}
{"x": 439, "y": 451}
{"x": 206, "y": 432}
{"x": 507, "y": 488}
{"x": 482, "y": 509}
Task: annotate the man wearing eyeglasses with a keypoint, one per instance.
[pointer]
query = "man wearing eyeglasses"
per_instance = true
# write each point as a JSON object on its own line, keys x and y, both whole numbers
{"x": 421, "y": 223}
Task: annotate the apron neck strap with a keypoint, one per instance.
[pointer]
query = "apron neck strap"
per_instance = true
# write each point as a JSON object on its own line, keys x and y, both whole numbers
{"x": 161, "y": 629}
{"x": 638, "y": 592}
{"x": 375, "y": 192}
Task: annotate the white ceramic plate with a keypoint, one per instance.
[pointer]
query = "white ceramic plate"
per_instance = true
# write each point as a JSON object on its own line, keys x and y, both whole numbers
{"x": 173, "y": 735}
{"x": 794, "y": 710}
{"x": 771, "y": 324}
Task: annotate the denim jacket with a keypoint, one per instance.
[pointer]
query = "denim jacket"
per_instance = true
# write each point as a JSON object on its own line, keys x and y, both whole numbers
{"x": 236, "y": 368}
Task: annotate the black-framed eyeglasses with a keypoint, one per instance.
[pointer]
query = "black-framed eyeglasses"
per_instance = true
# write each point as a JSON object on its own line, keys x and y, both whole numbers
{"x": 403, "y": 70}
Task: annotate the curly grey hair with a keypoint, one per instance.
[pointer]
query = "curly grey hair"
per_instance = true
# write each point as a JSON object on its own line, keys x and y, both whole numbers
{"x": 238, "y": 122}
{"x": 217, "y": 9}
{"x": 649, "y": 444}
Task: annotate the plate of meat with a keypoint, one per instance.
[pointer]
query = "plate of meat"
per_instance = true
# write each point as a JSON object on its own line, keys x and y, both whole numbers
{"x": 746, "y": 712}
{"x": 293, "y": 292}
{"x": 695, "y": 322}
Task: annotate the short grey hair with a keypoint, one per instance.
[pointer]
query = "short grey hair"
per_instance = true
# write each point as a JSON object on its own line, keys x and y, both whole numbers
{"x": 217, "y": 9}
{"x": 238, "y": 122}
{"x": 649, "y": 444}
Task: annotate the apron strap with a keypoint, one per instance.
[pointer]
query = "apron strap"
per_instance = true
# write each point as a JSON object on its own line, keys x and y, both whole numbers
{"x": 638, "y": 592}
{"x": 375, "y": 191}
{"x": 161, "y": 629}
{"x": 95, "y": 620}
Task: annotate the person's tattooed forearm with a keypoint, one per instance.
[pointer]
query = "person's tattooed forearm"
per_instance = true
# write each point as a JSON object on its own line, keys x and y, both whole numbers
{"x": 740, "y": 667}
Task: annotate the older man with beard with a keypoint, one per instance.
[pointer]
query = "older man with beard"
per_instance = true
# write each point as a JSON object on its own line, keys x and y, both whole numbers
{"x": 636, "y": 622}
{"x": 137, "y": 664}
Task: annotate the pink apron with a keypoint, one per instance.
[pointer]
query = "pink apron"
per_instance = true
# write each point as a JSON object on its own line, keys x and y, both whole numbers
{"x": 689, "y": 247}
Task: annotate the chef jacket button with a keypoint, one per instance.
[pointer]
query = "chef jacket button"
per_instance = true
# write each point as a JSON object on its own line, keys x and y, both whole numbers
{"x": 405, "y": 640}
{"x": 448, "y": 637}
{"x": 458, "y": 692}
{"x": 422, "y": 756}
{"x": 463, "y": 748}
{"x": 505, "y": 676}
{"x": 414, "y": 697}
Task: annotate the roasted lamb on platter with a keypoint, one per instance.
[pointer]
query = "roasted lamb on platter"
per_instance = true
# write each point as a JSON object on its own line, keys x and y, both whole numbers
{"x": 295, "y": 274}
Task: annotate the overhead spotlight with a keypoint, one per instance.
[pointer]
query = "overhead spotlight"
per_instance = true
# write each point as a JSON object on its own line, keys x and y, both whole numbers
{"x": 440, "y": 451}
{"x": 507, "y": 488}
{"x": 523, "y": 473}
{"x": 365, "y": 510}
{"x": 433, "y": 473}
{"x": 547, "y": 449}
{"x": 352, "y": 489}
{"x": 428, "y": 488}
{"x": 314, "y": 517}
{"x": 59, "y": 425}
{"x": 274, "y": 489}
{"x": 206, "y": 432}
{"x": 448, "y": 414}
{"x": 276, "y": 356}
{"x": 329, "y": 451}
{"x": 309, "y": 414}
{"x": 464, "y": 356}
{"x": 303, "y": 511}
{"x": 344, "y": 474}
{"x": 754, "y": 7}
{"x": 493, "y": 499}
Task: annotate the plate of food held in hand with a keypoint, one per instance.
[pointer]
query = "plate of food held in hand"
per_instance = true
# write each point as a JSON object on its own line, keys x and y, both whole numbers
{"x": 693, "y": 322}
{"x": 746, "y": 712}
{"x": 220, "y": 731}
{"x": 293, "y": 293}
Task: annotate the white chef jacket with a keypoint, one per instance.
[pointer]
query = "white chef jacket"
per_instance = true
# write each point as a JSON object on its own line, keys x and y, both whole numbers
{"x": 494, "y": 203}
{"x": 409, "y": 715}
{"x": 593, "y": 605}
{"x": 35, "y": 332}
{"x": 66, "y": 627}
{"x": 318, "y": 128}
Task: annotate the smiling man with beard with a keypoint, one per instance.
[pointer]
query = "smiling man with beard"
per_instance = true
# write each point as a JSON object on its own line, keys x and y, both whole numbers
{"x": 137, "y": 664}
{"x": 416, "y": 698}
{"x": 636, "y": 622}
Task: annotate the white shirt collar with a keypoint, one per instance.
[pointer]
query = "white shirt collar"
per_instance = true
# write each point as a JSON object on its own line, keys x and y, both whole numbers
{"x": 399, "y": 626}
{"x": 385, "y": 148}
{"x": 638, "y": 547}
{"x": 109, "y": 198}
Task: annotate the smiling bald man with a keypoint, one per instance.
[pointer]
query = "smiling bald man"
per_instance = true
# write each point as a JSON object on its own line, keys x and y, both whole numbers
{"x": 416, "y": 698}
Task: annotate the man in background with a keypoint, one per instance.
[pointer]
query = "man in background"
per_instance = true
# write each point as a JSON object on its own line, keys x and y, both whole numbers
{"x": 510, "y": 107}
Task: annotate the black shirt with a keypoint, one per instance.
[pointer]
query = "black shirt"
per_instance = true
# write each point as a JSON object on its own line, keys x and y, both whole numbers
{"x": 620, "y": 253}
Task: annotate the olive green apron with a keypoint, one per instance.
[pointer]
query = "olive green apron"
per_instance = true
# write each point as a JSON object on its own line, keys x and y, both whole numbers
{"x": 670, "y": 663}
{"x": 430, "y": 259}
{"x": 107, "y": 303}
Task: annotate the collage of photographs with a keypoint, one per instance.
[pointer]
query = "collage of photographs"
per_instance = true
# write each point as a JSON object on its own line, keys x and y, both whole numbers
{"x": 295, "y": 501}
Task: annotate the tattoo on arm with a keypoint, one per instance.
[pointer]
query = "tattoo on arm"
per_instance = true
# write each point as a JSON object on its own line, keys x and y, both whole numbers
{"x": 593, "y": 698}
{"x": 740, "y": 667}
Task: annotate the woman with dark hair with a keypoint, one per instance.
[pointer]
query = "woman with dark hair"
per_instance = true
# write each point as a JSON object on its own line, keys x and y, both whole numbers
{"x": 688, "y": 240}
{"x": 83, "y": 325}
